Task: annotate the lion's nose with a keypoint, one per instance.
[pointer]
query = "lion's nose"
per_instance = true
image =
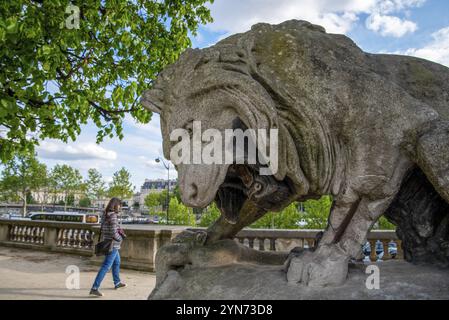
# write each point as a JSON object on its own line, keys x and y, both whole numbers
{"x": 193, "y": 191}
{"x": 190, "y": 195}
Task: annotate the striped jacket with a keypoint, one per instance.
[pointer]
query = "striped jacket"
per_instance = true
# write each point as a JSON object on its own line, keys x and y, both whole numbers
{"x": 109, "y": 230}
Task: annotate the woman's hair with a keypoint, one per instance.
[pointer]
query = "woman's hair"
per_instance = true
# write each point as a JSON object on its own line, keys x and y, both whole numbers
{"x": 113, "y": 205}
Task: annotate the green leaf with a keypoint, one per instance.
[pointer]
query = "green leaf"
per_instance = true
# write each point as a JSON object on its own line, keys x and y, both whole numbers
{"x": 11, "y": 25}
{"x": 97, "y": 68}
{"x": 46, "y": 49}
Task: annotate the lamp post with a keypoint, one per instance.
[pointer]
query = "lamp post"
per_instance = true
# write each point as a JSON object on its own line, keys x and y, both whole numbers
{"x": 167, "y": 166}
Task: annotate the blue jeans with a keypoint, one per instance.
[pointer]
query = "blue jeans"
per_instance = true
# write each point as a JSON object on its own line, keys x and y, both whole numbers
{"x": 111, "y": 260}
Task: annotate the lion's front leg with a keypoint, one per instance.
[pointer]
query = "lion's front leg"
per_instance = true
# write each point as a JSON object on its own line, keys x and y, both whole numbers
{"x": 328, "y": 264}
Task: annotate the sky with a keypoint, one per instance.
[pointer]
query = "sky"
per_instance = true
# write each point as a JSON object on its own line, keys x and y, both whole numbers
{"x": 411, "y": 27}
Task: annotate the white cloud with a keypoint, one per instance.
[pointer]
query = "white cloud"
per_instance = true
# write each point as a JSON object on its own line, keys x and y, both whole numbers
{"x": 389, "y": 6}
{"x": 390, "y": 25}
{"x": 232, "y": 16}
{"x": 436, "y": 50}
{"x": 53, "y": 149}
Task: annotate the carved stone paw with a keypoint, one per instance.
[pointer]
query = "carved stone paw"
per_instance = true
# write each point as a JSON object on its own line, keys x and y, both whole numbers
{"x": 327, "y": 266}
{"x": 190, "y": 237}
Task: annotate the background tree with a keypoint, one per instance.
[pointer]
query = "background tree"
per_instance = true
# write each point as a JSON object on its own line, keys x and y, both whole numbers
{"x": 286, "y": 219}
{"x": 316, "y": 213}
{"x": 384, "y": 224}
{"x": 52, "y": 188}
{"x": 209, "y": 216}
{"x": 179, "y": 214}
{"x": 312, "y": 214}
{"x": 67, "y": 181}
{"x": 177, "y": 193}
{"x": 152, "y": 200}
{"x": 56, "y": 74}
{"x": 45, "y": 188}
{"x": 95, "y": 185}
{"x": 29, "y": 198}
{"x": 120, "y": 186}
{"x": 85, "y": 202}
{"x": 163, "y": 199}
{"x": 70, "y": 200}
{"x": 20, "y": 176}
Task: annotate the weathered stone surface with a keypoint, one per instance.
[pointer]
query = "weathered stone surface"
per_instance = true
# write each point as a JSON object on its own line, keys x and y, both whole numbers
{"x": 398, "y": 280}
{"x": 351, "y": 124}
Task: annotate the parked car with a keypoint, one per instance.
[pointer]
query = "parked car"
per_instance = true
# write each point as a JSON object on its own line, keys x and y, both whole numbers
{"x": 4, "y": 216}
{"x": 13, "y": 216}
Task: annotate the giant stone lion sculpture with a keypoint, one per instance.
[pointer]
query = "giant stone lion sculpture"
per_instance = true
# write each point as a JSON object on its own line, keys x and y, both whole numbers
{"x": 364, "y": 128}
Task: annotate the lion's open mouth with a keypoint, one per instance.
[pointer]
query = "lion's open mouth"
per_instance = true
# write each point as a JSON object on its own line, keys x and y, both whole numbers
{"x": 243, "y": 182}
{"x": 231, "y": 195}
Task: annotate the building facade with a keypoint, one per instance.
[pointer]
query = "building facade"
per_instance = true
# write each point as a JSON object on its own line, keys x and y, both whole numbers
{"x": 46, "y": 196}
{"x": 153, "y": 186}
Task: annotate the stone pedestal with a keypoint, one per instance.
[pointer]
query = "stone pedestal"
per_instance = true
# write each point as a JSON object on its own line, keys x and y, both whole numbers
{"x": 397, "y": 280}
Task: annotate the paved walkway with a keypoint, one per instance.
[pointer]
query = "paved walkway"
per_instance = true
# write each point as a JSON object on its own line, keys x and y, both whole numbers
{"x": 27, "y": 274}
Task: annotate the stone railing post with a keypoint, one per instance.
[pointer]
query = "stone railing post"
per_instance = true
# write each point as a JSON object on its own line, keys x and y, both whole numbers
{"x": 4, "y": 232}
{"x": 50, "y": 237}
{"x": 138, "y": 250}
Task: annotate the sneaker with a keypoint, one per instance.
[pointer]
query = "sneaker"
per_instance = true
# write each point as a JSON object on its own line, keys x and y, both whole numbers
{"x": 120, "y": 285}
{"x": 95, "y": 292}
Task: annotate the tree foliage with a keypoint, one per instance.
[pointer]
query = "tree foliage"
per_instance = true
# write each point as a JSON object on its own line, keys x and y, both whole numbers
{"x": 85, "y": 202}
{"x": 316, "y": 213}
{"x": 121, "y": 186}
{"x": 209, "y": 216}
{"x": 57, "y": 74}
{"x": 384, "y": 224}
{"x": 179, "y": 214}
{"x": 152, "y": 200}
{"x": 164, "y": 200}
{"x": 311, "y": 214}
{"x": 66, "y": 180}
{"x": 95, "y": 185}
{"x": 285, "y": 219}
{"x": 20, "y": 176}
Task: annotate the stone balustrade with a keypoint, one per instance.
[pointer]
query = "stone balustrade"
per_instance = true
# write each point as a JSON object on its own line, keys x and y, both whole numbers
{"x": 142, "y": 242}
{"x": 65, "y": 237}
{"x": 285, "y": 240}
{"x": 138, "y": 251}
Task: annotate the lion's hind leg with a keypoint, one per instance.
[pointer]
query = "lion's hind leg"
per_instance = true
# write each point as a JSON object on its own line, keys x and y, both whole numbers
{"x": 432, "y": 156}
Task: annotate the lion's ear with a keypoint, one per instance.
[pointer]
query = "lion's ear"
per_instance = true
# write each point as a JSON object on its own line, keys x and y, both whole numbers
{"x": 153, "y": 100}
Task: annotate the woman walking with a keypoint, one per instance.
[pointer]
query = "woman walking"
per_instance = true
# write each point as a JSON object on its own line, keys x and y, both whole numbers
{"x": 110, "y": 231}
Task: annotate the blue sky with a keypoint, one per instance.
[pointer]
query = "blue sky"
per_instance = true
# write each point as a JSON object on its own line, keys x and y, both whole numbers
{"x": 413, "y": 27}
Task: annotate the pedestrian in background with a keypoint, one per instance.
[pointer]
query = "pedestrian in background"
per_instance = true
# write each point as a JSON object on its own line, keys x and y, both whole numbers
{"x": 111, "y": 231}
